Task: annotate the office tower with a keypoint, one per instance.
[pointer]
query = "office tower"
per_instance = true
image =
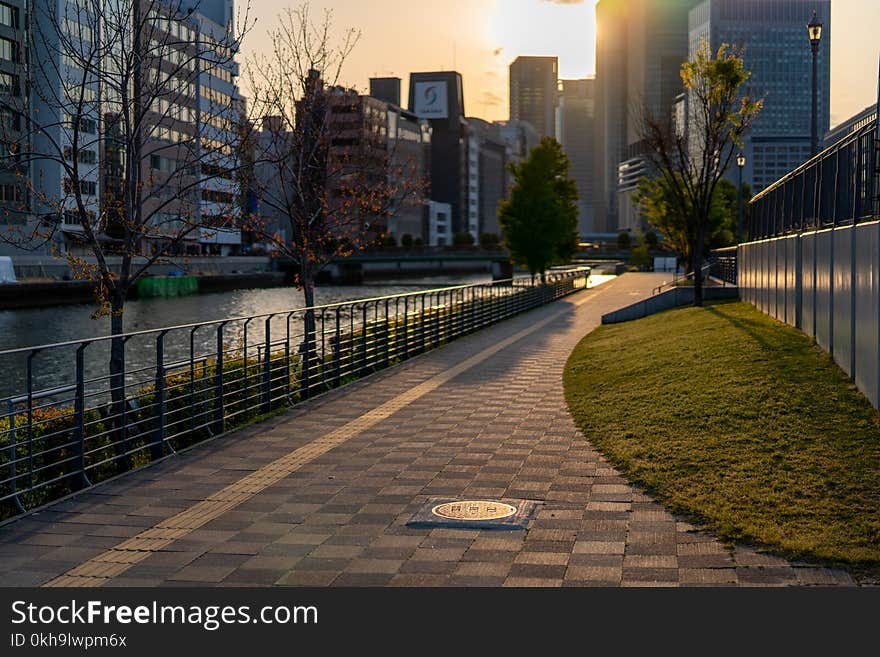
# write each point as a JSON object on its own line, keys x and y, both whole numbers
{"x": 577, "y": 118}
{"x": 64, "y": 100}
{"x": 387, "y": 89}
{"x": 14, "y": 193}
{"x": 778, "y": 54}
{"x": 487, "y": 176}
{"x": 219, "y": 105}
{"x": 640, "y": 47}
{"x": 438, "y": 98}
{"x": 534, "y": 92}
{"x": 409, "y": 145}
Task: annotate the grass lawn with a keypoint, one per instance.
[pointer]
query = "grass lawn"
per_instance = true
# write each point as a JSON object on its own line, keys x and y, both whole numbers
{"x": 739, "y": 423}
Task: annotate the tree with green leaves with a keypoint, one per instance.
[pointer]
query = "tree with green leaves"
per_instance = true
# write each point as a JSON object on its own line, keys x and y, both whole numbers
{"x": 655, "y": 198}
{"x": 691, "y": 163}
{"x": 540, "y": 219}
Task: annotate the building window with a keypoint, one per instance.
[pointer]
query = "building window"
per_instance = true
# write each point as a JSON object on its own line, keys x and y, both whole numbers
{"x": 8, "y": 49}
{"x": 9, "y": 84}
{"x": 84, "y": 156}
{"x": 86, "y": 187}
{"x": 8, "y": 15}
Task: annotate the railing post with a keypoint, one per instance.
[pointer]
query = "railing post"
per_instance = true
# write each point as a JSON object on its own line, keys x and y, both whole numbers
{"x": 305, "y": 385}
{"x": 406, "y": 327}
{"x": 192, "y": 379}
{"x": 267, "y": 368}
{"x": 287, "y": 373}
{"x": 422, "y": 333}
{"x": 30, "y": 421}
{"x": 337, "y": 352}
{"x": 387, "y": 335}
{"x": 363, "y": 367}
{"x": 79, "y": 412}
{"x": 219, "y": 410}
{"x": 157, "y": 446}
{"x": 13, "y": 456}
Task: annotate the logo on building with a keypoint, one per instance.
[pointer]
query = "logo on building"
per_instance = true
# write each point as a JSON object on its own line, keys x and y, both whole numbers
{"x": 431, "y": 100}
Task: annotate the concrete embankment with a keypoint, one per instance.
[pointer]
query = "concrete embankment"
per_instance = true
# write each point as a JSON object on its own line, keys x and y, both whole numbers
{"x": 38, "y": 294}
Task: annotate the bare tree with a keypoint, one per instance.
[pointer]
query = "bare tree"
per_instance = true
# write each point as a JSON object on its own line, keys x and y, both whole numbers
{"x": 328, "y": 174}
{"x": 691, "y": 162}
{"x": 113, "y": 111}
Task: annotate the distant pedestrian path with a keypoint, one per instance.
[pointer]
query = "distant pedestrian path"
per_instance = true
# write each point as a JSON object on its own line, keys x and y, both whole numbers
{"x": 326, "y": 494}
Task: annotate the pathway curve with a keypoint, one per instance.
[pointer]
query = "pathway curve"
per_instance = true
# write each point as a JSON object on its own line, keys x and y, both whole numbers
{"x": 322, "y": 495}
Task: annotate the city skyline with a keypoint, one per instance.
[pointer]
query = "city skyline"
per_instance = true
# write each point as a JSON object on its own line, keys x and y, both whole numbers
{"x": 489, "y": 35}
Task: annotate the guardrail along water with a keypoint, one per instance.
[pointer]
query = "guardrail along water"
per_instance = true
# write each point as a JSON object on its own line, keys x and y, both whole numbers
{"x": 197, "y": 381}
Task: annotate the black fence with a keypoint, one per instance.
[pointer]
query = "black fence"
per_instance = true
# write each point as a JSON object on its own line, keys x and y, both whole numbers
{"x": 722, "y": 265}
{"x": 74, "y": 420}
{"x": 837, "y": 187}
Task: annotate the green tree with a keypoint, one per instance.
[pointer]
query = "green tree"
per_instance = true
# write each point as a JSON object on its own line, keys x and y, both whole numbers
{"x": 489, "y": 241}
{"x": 624, "y": 241}
{"x": 539, "y": 220}
{"x": 692, "y": 163}
{"x": 657, "y": 203}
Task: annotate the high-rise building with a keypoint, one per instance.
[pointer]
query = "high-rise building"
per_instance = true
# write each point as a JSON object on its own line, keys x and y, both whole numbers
{"x": 577, "y": 132}
{"x": 438, "y": 97}
{"x": 778, "y": 54}
{"x": 640, "y": 48}
{"x": 534, "y": 92}
{"x": 387, "y": 89}
{"x": 14, "y": 193}
{"x": 218, "y": 111}
{"x": 187, "y": 133}
{"x": 487, "y": 176}
{"x": 65, "y": 99}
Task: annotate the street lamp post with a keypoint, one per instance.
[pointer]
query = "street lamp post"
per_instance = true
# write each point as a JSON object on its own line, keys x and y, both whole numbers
{"x": 814, "y": 29}
{"x": 740, "y": 163}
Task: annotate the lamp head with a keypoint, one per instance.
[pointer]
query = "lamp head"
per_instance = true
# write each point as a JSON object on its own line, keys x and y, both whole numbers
{"x": 814, "y": 29}
{"x": 740, "y": 160}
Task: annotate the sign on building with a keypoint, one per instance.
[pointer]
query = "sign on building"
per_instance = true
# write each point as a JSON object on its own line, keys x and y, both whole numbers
{"x": 432, "y": 100}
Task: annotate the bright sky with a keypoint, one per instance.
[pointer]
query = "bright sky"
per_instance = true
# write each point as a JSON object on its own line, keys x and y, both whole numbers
{"x": 480, "y": 38}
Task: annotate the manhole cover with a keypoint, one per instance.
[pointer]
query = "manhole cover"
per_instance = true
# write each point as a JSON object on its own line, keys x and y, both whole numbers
{"x": 475, "y": 514}
{"x": 474, "y": 510}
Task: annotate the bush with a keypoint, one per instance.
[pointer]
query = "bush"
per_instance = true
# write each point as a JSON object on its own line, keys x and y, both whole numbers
{"x": 463, "y": 239}
{"x": 651, "y": 239}
{"x": 407, "y": 240}
{"x": 624, "y": 241}
{"x": 489, "y": 241}
{"x": 641, "y": 258}
{"x": 418, "y": 242}
{"x": 389, "y": 240}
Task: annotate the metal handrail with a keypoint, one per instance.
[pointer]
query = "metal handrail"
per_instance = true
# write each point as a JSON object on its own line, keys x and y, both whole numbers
{"x": 68, "y": 421}
{"x": 676, "y": 279}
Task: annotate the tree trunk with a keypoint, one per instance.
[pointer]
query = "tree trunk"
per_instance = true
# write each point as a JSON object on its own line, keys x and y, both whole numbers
{"x": 117, "y": 382}
{"x": 308, "y": 350}
{"x": 698, "y": 264}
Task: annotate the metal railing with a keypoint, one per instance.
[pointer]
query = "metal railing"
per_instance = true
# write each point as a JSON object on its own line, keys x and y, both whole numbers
{"x": 839, "y": 186}
{"x": 678, "y": 278}
{"x": 71, "y": 421}
{"x": 723, "y": 265}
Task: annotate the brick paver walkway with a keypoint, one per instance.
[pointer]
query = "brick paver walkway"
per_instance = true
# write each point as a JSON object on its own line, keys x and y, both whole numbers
{"x": 321, "y": 495}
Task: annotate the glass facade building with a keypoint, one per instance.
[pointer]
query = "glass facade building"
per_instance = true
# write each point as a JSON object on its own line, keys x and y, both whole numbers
{"x": 777, "y": 52}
